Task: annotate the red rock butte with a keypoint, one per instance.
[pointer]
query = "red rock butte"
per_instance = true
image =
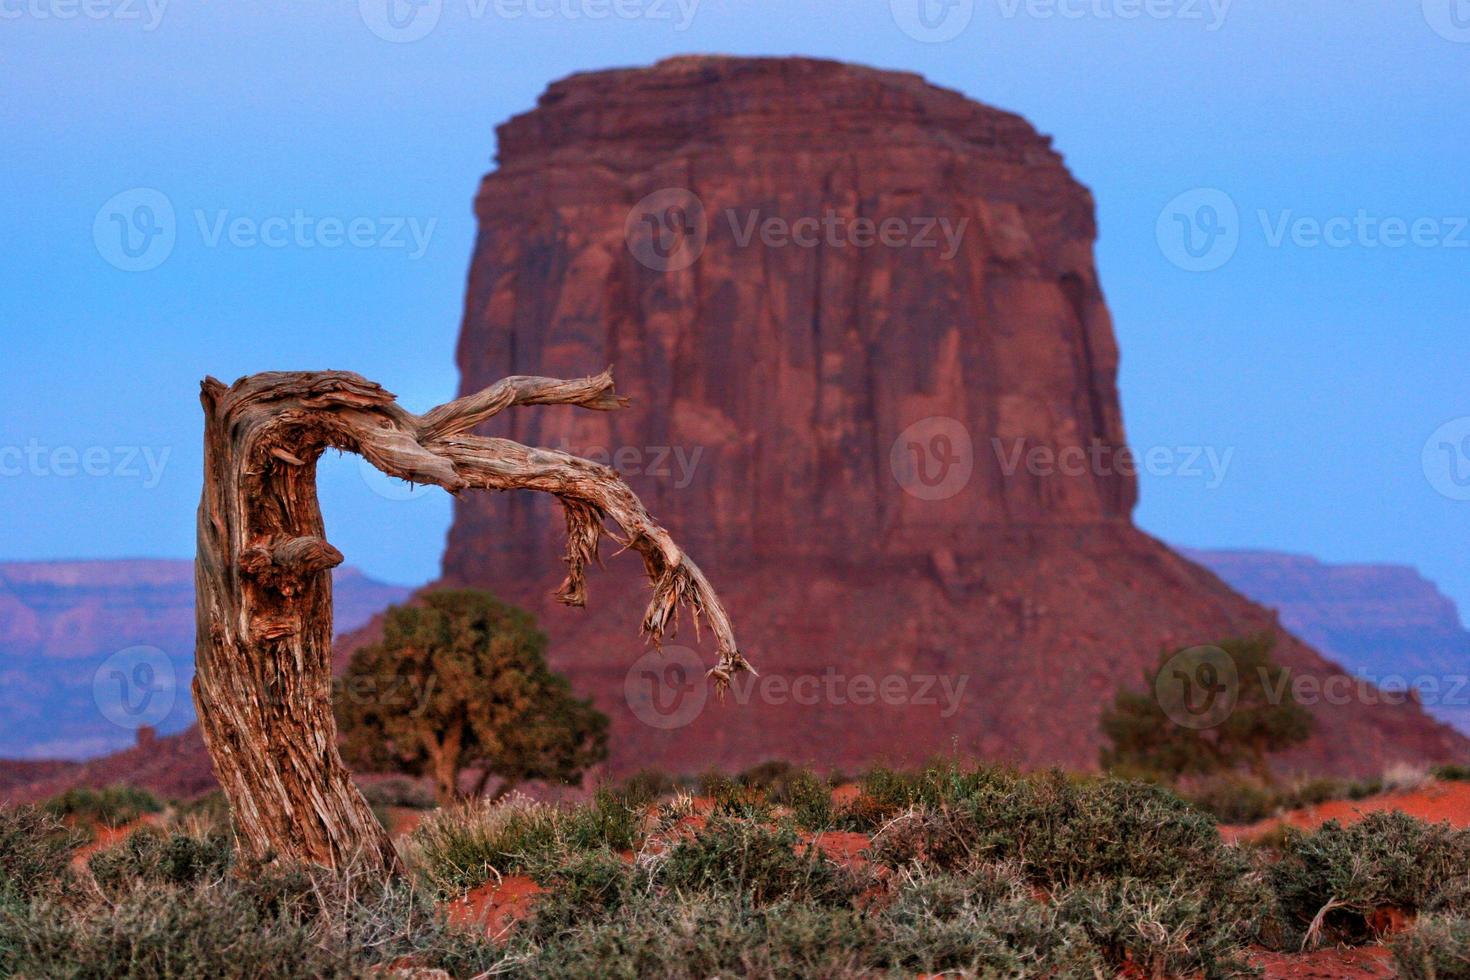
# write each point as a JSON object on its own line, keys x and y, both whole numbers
{"x": 837, "y": 421}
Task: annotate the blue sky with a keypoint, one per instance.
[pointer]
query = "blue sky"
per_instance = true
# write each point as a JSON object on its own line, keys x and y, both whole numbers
{"x": 1324, "y": 367}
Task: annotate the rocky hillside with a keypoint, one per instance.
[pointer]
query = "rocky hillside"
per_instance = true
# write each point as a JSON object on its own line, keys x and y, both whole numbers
{"x": 61, "y": 622}
{"x": 874, "y": 393}
{"x": 1383, "y": 622}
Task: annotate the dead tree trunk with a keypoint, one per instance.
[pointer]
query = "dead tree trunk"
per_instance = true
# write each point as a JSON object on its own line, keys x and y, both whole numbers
{"x": 262, "y": 685}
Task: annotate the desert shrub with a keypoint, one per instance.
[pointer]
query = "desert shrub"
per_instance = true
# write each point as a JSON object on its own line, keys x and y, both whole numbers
{"x": 1234, "y": 799}
{"x": 897, "y": 790}
{"x": 863, "y": 813}
{"x": 703, "y": 935}
{"x": 588, "y": 886}
{"x": 1064, "y": 831}
{"x": 886, "y": 793}
{"x": 273, "y": 922}
{"x": 162, "y": 857}
{"x": 612, "y": 820}
{"x": 774, "y": 777}
{"x": 732, "y": 797}
{"x": 1437, "y": 948}
{"x": 35, "y": 851}
{"x": 1142, "y": 735}
{"x": 1386, "y": 859}
{"x": 983, "y": 923}
{"x": 211, "y": 811}
{"x": 157, "y": 933}
{"x": 459, "y": 847}
{"x": 759, "y": 864}
{"x": 463, "y": 846}
{"x": 810, "y": 800}
{"x": 1172, "y": 929}
{"x": 1452, "y": 897}
{"x": 648, "y": 786}
{"x": 1451, "y": 772}
{"x": 1404, "y": 777}
{"x": 111, "y": 807}
{"x": 1313, "y": 792}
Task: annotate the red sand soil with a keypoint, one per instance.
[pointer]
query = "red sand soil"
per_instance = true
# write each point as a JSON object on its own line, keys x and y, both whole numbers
{"x": 495, "y": 906}
{"x": 104, "y": 837}
{"x": 1437, "y": 802}
{"x": 843, "y": 847}
{"x": 1360, "y": 963}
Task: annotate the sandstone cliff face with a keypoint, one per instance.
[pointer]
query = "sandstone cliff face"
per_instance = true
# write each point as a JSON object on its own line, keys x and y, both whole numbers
{"x": 893, "y": 460}
{"x": 792, "y": 370}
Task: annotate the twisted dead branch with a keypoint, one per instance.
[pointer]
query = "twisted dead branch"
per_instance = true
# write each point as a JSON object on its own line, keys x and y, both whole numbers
{"x": 263, "y": 647}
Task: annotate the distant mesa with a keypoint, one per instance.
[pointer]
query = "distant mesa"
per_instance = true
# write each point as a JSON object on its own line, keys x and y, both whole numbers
{"x": 849, "y": 413}
{"x": 61, "y": 621}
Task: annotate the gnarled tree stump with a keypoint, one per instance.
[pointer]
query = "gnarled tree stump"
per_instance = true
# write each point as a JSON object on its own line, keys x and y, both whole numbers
{"x": 263, "y": 583}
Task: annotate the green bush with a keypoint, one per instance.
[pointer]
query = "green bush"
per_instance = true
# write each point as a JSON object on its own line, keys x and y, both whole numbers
{"x": 648, "y": 786}
{"x": 211, "y": 811}
{"x": 810, "y": 800}
{"x": 35, "y": 852}
{"x": 758, "y": 864}
{"x": 732, "y": 797}
{"x": 1161, "y": 930}
{"x": 457, "y": 848}
{"x": 114, "y": 806}
{"x": 983, "y": 923}
{"x": 704, "y": 935}
{"x": 1387, "y": 859}
{"x": 161, "y": 857}
{"x": 272, "y": 923}
{"x": 983, "y": 872}
{"x": 1437, "y": 948}
{"x": 1234, "y": 799}
{"x": 1064, "y": 831}
{"x": 588, "y": 886}
{"x": 613, "y": 820}
{"x": 1143, "y": 735}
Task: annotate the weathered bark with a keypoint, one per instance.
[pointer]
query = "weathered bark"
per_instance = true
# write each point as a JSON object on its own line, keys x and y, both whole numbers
{"x": 262, "y": 684}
